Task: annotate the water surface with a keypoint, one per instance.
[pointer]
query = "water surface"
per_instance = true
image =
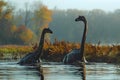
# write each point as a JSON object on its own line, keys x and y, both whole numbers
{"x": 9, "y": 70}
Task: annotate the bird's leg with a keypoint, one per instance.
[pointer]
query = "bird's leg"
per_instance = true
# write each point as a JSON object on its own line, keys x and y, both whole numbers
{"x": 84, "y": 60}
{"x": 38, "y": 60}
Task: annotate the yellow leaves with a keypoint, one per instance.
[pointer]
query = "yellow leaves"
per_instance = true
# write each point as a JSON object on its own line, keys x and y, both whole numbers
{"x": 14, "y": 50}
{"x": 13, "y": 28}
{"x": 2, "y": 3}
{"x": 5, "y": 10}
{"x": 44, "y": 14}
{"x": 26, "y": 35}
{"x": 42, "y": 17}
{"x": 8, "y": 16}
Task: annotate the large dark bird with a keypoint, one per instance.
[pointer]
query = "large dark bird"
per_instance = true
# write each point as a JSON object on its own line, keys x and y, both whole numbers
{"x": 77, "y": 55}
{"x": 34, "y": 57}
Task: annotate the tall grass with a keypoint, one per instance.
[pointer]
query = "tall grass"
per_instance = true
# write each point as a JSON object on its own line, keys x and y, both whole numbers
{"x": 93, "y": 52}
{"x": 14, "y": 51}
{"x": 57, "y": 50}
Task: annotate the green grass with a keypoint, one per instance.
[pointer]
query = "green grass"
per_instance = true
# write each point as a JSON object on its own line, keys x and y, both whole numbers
{"x": 14, "y": 51}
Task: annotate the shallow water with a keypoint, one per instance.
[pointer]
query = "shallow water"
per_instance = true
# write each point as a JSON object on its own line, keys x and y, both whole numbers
{"x": 9, "y": 70}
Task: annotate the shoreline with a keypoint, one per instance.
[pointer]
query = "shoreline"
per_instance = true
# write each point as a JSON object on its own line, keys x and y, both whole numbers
{"x": 55, "y": 52}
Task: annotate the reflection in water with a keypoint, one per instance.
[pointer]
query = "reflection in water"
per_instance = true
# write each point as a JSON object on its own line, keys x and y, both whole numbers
{"x": 40, "y": 69}
{"x": 58, "y": 71}
{"x": 82, "y": 70}
{"x": 12, "y": 71}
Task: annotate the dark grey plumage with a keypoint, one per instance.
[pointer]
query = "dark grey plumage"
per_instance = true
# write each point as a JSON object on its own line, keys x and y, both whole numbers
{"x": 33, "y": 57}
{"x": 77, "y": 54}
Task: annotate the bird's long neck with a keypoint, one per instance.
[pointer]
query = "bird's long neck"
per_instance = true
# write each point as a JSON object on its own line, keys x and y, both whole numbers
{"x": 41, "y": 43}
{"x": 83, "y": 39}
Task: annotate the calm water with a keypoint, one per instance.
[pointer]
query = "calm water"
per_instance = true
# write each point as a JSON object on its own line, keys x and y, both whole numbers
{"x": 9, "y": 70}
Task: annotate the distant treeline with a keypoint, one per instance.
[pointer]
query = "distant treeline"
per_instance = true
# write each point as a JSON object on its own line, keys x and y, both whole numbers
{"x": 24, "y": 26}
{"x": 102, "y": 26}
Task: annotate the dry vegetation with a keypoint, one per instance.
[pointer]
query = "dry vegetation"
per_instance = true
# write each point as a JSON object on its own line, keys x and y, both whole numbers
{"x": 13, "y": 51}
{"x": 57, "y": 50}
{"x": 93, "y": 52}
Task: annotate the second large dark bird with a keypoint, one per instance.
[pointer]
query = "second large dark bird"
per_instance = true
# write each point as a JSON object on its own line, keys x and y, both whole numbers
{"x": 77, "y": 55}
{"x": 34, "y": 57}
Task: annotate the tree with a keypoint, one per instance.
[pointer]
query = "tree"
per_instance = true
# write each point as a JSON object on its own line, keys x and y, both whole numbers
{"x": 42, "y": 18}
{"x": 2, "y": 4}
{"x": 24, "y": 35}
{"x": 5, "y": 22}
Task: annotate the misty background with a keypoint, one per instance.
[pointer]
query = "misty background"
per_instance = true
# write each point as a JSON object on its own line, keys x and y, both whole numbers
{"x": 103, "y": 25}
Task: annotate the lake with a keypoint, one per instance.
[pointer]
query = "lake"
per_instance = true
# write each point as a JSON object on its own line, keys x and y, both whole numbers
{"x": 9, "y": 70}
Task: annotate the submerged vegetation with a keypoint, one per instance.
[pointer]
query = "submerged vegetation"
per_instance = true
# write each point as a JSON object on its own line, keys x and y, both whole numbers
{"x": 57, "y": 50}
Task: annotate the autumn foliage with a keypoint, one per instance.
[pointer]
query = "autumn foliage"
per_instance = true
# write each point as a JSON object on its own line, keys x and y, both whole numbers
{"x": 93, "y": 52}
{"x": 58, "y": 49}
{"x": 15, "y": 27}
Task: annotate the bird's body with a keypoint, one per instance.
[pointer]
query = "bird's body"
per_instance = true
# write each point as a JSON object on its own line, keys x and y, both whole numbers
{"x": 34, "y": 57}
{"x": 73, "y": 56}
{"x": 29, "y": 59}
{"x": 77, "y": 55}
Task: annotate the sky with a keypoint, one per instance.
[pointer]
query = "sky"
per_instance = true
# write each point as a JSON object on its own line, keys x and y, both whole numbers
{"x": 107, "y": 5}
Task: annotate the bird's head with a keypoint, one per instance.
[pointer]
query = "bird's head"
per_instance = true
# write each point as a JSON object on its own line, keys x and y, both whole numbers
{"x": 47, "y": 30}
{"x": 81, "y": 18}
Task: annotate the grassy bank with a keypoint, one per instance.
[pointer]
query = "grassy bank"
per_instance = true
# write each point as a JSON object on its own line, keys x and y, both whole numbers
{"x": 14, "y": 51}
{"x": 57, "y": 50}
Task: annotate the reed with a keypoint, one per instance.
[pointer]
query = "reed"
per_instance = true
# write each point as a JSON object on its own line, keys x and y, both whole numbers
{"x": 57, "y": 50}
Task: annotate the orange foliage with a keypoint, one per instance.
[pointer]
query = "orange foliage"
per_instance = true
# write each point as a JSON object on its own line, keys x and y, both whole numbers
{"x": 13, "y": 28}
{"x": 24, "y": 33}
{"x": 44, "y": 14}
{"x": 57, "y": 50}
{"x": 27, "y": 35}
{"x": 2, "y": 3}
{"x": 8, "y": 15}
{"x": 21, "y": 28}
{"x": 101, "y": 53}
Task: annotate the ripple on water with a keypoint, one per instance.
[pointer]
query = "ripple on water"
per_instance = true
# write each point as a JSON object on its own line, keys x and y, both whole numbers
{"x": 58, "y": 71}
{"x": 12, "y": 71}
